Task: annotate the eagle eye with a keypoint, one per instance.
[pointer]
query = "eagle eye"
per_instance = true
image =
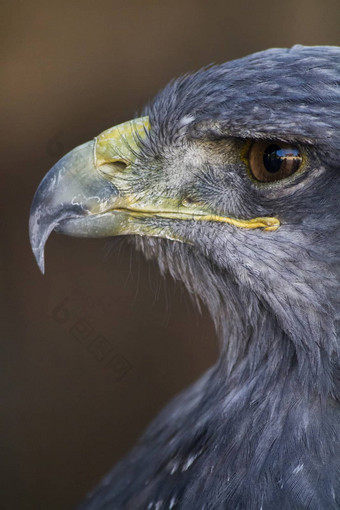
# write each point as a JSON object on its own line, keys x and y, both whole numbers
{"x": 273, "y": 161}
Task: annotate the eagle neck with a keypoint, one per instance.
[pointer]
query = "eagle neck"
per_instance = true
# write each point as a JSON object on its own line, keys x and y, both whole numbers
{"x": 254, "y": 344}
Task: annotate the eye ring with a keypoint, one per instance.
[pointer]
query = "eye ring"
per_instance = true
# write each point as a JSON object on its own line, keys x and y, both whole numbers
{"x": 271, "y": 161}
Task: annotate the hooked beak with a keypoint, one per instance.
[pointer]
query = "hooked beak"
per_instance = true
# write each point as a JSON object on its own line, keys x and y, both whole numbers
{"x": 77, "y": 196}
{"x": 85, "y": 195}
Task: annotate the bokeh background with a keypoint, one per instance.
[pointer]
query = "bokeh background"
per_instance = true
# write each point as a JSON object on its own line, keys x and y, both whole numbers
{"x": 91, "y": 351}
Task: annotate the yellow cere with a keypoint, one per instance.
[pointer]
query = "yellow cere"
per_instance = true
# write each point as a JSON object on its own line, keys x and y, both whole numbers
{"x": 120, "y": 142}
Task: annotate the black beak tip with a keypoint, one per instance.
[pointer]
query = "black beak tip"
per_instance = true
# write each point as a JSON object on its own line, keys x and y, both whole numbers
{"x": 41, "y": 223}
{"x": 39, "y": 257}
{"x": 37, "y": 242}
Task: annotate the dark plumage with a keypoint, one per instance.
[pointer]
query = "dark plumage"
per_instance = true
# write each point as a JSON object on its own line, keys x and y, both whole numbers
{"x": 261, "y": 429}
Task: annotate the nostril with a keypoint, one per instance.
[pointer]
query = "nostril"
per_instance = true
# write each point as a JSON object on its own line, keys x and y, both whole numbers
{"x": 187, "y": 201}
{"x": 120, "y": 165}
{"x": 112, "y": 168}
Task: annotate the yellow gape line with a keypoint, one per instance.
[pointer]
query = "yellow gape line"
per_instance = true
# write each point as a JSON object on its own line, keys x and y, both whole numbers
{"x": 267, "y": 223}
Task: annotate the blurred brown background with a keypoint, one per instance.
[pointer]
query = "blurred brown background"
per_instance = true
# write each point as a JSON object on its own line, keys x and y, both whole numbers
{"x": 69, "y": 70}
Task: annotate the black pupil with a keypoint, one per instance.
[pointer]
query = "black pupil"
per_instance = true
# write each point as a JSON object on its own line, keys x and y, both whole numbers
{"x": 274, "y": 156}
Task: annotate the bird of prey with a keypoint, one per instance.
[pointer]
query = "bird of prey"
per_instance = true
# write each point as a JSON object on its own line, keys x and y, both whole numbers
{"x": 230, "y": 179}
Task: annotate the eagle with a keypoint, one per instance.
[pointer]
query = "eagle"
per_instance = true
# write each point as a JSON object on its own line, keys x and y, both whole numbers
{"x": 230, "y": 179}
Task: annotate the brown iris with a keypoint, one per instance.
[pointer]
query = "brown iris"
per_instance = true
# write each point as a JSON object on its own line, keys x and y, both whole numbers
{"x": 273, "y": 161}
